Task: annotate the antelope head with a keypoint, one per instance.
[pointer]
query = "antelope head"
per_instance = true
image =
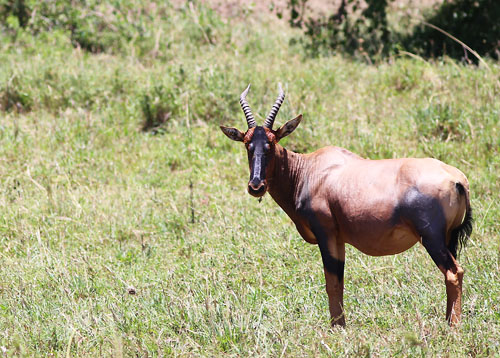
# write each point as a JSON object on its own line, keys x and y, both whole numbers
{"x": 260, "y": 142}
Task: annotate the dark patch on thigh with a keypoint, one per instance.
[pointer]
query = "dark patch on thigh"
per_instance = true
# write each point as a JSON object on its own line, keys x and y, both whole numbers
{"x": 426, "y": 215}
{"x": 423, "y": 211}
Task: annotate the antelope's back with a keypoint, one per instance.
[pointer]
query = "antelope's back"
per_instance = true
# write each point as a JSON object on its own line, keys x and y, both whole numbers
{"x": 365, "y": 193}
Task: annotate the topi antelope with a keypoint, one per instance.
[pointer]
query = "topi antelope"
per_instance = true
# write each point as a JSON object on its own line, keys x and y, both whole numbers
{"x": 381, "y": 207}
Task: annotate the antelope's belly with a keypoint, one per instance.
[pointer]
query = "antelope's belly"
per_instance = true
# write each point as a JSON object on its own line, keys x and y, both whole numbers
{"x": 392, "y": 242}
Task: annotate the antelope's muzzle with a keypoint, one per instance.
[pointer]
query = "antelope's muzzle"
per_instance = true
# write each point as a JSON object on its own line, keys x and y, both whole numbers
{"x": 257, "y": 187}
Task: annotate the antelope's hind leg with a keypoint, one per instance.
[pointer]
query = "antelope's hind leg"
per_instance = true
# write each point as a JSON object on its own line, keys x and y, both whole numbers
{"x": 428, "y": 218}
{"x": 453, "y": 276}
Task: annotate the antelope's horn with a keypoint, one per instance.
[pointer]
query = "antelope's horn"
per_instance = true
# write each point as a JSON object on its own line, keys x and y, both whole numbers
{"x": 274, "y": 111}
{"x": 246, "y": 109}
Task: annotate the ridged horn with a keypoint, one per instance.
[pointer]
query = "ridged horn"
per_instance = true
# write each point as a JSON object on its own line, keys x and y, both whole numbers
{"x": 276, "y": 107}
{"x": 246, "y": 109}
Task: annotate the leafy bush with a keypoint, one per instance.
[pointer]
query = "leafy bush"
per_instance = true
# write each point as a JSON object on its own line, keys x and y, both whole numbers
{"x": 474, "y": 22}
{"x": 364, "y": 31}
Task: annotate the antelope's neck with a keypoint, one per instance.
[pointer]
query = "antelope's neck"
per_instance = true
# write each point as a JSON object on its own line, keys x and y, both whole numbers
{"x": 288, "y": 179}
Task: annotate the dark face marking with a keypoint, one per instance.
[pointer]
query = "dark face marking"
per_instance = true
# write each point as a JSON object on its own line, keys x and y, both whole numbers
{"x": 258, "y": 157}
{"x": 426, "y": 215}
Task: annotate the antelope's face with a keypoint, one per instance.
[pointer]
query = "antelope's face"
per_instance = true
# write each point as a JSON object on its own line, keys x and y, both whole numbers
{"x": 260, "y": 143}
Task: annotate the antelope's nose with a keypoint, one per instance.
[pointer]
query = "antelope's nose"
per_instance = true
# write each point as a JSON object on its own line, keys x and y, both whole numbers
{"x": 257, "y": 187}
{"x": 256, "y": 184}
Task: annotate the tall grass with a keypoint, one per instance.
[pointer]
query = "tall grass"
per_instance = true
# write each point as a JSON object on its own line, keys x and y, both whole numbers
{"x": 118, "y": 242}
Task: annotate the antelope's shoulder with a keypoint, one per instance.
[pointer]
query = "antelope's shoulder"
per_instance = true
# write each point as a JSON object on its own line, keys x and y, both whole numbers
{"x": 334, "y": 151}
{"x": 331, "y": 155}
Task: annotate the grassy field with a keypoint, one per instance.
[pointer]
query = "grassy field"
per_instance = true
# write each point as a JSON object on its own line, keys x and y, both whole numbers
{"x": 119, "y": 242}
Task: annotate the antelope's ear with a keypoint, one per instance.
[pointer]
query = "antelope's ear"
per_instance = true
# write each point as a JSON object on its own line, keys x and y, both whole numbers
{"x": 288, "y": 127}
{"x": 233, "y": 133}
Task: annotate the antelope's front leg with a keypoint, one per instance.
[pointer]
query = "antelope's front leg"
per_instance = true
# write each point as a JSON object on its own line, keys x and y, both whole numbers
{"x": 324, "y": 228}
{"x": 333, "y": 255}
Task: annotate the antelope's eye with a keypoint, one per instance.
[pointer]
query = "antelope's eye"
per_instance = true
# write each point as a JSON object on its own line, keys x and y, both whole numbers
{"x": 267, "y": 146}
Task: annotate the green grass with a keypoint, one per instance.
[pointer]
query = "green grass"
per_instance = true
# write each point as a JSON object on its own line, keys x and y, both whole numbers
{"x": 91, "y": 205}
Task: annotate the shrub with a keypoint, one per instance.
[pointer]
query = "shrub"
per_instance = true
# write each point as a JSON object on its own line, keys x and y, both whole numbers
{"x": 474, "y": 22}
{"x": 364, "y": 31}
{"x": 361, "y": 32}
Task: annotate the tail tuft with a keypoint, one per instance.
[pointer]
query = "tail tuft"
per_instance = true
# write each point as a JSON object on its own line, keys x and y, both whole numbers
{"x": 460, "y": 235}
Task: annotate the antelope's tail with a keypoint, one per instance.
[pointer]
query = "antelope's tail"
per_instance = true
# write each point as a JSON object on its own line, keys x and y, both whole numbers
{"x": 460, "y": 235}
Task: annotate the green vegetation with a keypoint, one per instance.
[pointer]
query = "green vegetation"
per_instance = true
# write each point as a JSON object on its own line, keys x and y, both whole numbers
{"x": 474, "y": 22}
{"x": 374, "y": 29}
{"x": 95, "y": 206}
